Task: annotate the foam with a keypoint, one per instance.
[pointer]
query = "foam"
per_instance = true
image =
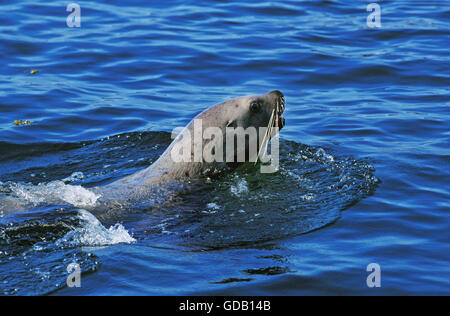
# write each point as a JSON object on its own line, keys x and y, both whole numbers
{"x": 55, "y": 192}
{"x": 76, "y": 176}
{"x": 93, "y": 233}
{"x": 240, "y": 188}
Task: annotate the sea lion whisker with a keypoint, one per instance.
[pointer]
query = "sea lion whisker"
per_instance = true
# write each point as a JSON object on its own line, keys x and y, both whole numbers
{"x": 265, "y": 140}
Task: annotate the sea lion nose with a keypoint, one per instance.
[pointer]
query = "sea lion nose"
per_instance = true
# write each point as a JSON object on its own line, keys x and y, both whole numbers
{"x": 279, "y": 100}
{"x": 277, "y": 93}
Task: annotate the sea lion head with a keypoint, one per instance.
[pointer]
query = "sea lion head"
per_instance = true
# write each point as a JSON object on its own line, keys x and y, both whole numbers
{"x": 255, "y": 111}
{"x": 253, "y": 119}
{"x": 203, "y": 146}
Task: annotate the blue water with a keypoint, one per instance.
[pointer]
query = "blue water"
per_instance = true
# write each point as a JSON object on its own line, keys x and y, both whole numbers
{"x": 364, "y": 154}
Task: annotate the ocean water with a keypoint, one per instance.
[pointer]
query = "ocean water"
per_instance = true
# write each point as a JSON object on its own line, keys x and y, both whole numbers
{"x": 364, "y": 155}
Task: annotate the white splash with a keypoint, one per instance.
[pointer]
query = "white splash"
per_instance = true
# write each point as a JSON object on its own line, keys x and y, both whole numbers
{"x": 55, "y": 192}
{"x": 213, "y": 206}
{"x": 307, "y": 197}
{"x": 322, "y": 154}
{"x": 93, "y": 233}
{"x": 74, "y": 177}
{"x": 240, "y": 188}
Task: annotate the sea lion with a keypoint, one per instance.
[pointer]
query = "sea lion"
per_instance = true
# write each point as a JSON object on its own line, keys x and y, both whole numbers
{"x": 217, "y": 140}
{"x": 203, "y": 146}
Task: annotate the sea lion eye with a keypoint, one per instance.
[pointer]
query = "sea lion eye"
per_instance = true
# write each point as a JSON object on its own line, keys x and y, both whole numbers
{"x": 255, "y": 106}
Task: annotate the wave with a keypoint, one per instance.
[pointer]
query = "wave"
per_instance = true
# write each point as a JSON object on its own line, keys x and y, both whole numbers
{"x": 53, "y": 192}
{"x": 36, "y": 252}
{"x": 54, "y": 221}
{"x": 93, "y": 233}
